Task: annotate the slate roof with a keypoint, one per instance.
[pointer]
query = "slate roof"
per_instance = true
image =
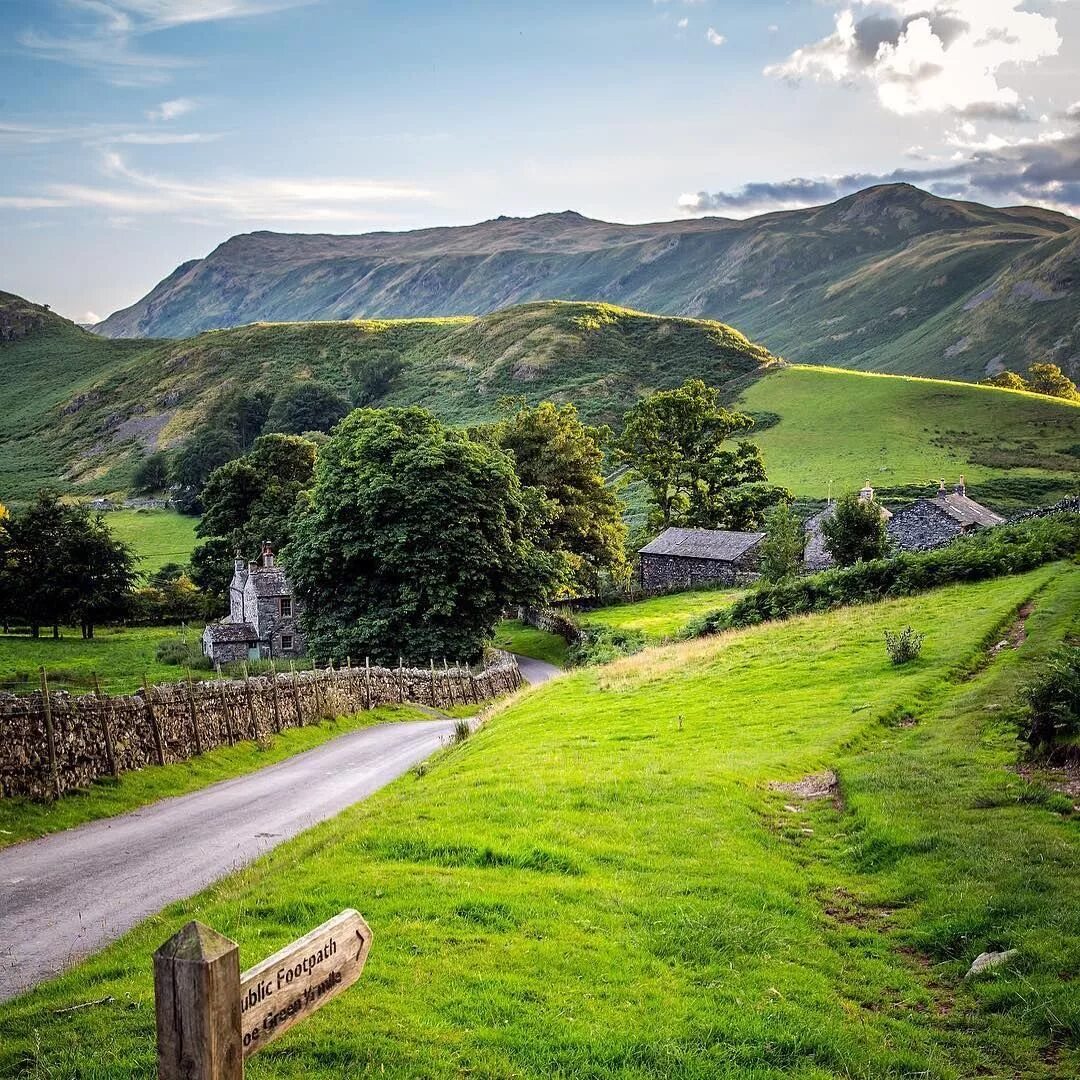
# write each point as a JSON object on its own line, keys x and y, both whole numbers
{"x": 966, "y": 511}
{"x": 716, "y": 544}
{"x": 270, "y": 581}
{"x": 231, "y": 631}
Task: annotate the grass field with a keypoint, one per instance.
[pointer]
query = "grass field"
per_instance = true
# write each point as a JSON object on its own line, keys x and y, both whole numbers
{"x": 845, "y": 426}
{"x": 157, "y": 536}
{"x": 601, "y": 882}
{"x": 23, "y": 819}
{"x": 528, "y": 641}
{"x": 660, "y": 617}
{"x": 120, "y": 656}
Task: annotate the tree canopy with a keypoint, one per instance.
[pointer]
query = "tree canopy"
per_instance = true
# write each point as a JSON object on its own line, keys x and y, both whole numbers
{"x": 675, "y": 441}
{"x": 559, "y": 457}
{"x": 782, "y": 549}
{"x": 855, "y": 532}
{"x": 1046, "y": 379}
{"x": 416, "y": 539}
{"x": 306, "y": 405}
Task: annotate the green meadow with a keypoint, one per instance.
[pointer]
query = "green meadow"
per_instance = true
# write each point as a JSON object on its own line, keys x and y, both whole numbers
{"x": 660, "y": 617}
{"x": 603, "y": 882}
{"x": 156, "y": 536}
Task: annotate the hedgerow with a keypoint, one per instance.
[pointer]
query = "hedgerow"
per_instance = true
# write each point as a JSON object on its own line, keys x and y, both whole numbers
{"x": 1009, "y": 549}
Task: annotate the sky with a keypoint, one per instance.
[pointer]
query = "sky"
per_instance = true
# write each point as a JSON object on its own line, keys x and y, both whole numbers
{"x": 138, "y": 134}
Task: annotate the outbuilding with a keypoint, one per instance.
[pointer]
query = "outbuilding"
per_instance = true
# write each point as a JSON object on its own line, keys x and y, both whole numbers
{"x": 933, "y": 522}
{"x": 682, "y": 558}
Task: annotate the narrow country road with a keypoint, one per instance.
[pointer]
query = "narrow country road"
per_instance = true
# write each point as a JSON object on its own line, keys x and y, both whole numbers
{"x": 69, "y": 894}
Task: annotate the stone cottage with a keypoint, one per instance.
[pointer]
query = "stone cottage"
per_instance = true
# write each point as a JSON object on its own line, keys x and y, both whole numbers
{"x": 682, "y": 558}
{"x": 262, "y": 619}
{"x": 815, "y": 557}
{"x": 933, "y": 522}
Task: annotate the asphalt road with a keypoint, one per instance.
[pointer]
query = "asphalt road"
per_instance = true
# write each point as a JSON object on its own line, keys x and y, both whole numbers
{"x": 69, "y": 894}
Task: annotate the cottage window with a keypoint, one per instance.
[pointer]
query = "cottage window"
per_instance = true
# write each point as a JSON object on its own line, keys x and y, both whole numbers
{"x": 286, "y": 606}
{"x": 286, "y": 642}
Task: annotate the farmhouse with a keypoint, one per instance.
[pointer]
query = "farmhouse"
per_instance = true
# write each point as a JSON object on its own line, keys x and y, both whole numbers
{"x": 815, "y": 557}
{"x": 261, "y": 624}
{"x": 682, "y": 558}
{"x": 933, "y": 522}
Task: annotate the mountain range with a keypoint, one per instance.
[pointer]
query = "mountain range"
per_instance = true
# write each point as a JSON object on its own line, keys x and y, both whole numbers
{"x": 890, "y": 279}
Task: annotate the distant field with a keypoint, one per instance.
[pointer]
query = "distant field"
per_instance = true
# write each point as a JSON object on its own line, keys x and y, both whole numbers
{"x": 661, "y": 616}
{"x": 119, "y": 656}
{"x": 845, "y": 426}
{"x": 157, "y": 536}
{"x": 602, "y": 883}
{"x": 528, "y": 641}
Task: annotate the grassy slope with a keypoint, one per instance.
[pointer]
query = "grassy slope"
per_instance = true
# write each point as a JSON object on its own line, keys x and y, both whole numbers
{"x": 661, "y": 616}
{"x": 590, "y": 888}
{"x": 22, "y": 819}
{"x": 157, "y": 536}
{"x": 846, "y": 426}
{"x": 528, "y": 641}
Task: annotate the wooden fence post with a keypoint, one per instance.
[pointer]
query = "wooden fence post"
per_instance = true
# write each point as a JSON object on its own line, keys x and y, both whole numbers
{"x": 296, "y": 695}
{"x": 250, "y": 704}
{"x": 450, "y": 683}
{"x": 159, "y": 746}
{"x": 197, "y": 1005}
{"x": 400, "y": 681}
{"x": 367, "y": 682}
{"x": 106, "y": 729}
{"x": 277, "y": 697}
{"x": 226, "y": 712}
{"x": 434, "y": 700}
{"x": 50, "y": 735}
{"x": 193, "y": 714}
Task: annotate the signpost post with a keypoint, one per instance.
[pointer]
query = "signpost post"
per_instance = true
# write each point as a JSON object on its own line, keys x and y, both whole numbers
{"x": 210, "y": 1017}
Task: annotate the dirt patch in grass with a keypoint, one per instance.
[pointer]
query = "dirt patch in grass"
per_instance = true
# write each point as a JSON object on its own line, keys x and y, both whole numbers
{"x": 1063, "y": 777}
{"x": 824, "y": 785}
{"x": 844, "y": 907}
{"x": 1016, "y": 634}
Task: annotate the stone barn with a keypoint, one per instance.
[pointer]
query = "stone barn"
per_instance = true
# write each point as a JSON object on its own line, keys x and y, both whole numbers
{"x": 683, "y": 558}
{"x": 262, "y": 620}
{"x": 933, "y": 522}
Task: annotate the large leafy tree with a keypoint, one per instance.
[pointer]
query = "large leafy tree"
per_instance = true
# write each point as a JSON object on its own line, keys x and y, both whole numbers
{"x": 254, "y": 498}
{"x": 783, "y": 547}
{"x": 678, "y": 442}
{"x": 306, "y": 405}
{"x": 416, "y": 539}
{"x": 59, "y": 565}
{"x": 206, "y": 450}
{"x": 1049, "y": 379}
{"x": 855, "y": 531}
{"x": 560, "y": 458}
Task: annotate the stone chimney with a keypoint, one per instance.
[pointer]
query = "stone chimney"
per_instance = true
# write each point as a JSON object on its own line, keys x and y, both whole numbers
{"x": 238, "y": 563}
{"x": 961, "y": 489}
{"x": 867, "y": 493}
{"x": 267, "y": 554}
{"x": 941, "y": 486}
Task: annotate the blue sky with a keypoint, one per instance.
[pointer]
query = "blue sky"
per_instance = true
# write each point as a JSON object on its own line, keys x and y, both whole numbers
{"x": 137, "y": 134}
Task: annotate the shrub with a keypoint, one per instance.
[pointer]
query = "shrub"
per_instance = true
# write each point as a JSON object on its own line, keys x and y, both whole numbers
{"x": 1008, "y": 549}
{"x": 461, "y": 731}
{"x": 182, "y": 654}
{"x": 1052, "y": 699}
{"x": 905, "y": 646}
{"x": 856, "y": 531}
{"x": 601, "y": 644}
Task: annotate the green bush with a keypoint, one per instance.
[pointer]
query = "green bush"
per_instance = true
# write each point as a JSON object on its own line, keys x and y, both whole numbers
{"x": 601, "y": 644}
{"x": 903, "y": 647}
{"x": 1052, "y": 700}
{"x": 1008, "y": 549}
{"x": 182, "y": 654}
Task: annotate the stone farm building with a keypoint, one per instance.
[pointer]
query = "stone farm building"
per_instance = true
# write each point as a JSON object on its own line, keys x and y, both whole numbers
{"x": 262, "y": 619}
{"x": 683, "y": 558}
{"x": 933, "y": 522}
{"x": 815, "y": 557}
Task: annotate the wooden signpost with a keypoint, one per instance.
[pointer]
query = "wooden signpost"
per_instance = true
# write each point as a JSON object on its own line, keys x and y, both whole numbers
{"x": 210, "y": 1017}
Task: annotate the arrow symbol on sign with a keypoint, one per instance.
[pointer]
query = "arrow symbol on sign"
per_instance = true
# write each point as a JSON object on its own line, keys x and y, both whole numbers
{"x": 361, "y": 948}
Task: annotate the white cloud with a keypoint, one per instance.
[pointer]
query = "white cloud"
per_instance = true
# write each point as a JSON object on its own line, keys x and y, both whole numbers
{"x": 99, "y": 135}
{"x": 683, "y": 23}
{"x": 231, "y": 198}
{"x": 170, "y": 110}
{"x": 773, "y": 28}
{"x": 714, "y": 38}
{"x": 930, "y": 56}
{"x": 90, "y": 318}
{"x": 103, "y": 34}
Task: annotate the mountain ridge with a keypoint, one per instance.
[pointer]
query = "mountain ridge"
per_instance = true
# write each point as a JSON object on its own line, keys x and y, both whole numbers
{"x": 890, "y": 279}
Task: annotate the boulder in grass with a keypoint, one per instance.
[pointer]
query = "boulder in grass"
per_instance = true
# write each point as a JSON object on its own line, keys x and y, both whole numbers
{"x": 987, "y": 960}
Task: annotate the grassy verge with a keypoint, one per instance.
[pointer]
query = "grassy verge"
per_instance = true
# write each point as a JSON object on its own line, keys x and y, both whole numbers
{"x": 23, "y": 819}
{"x": 660, "y": 617}
{"x": 120, "y": 656}
{"x": 157, "y": 536}
{"x": 601, "y": 883}
{"x": 525, "y": 640}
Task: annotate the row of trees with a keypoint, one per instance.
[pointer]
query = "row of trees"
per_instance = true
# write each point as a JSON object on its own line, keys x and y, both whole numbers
{"x": 1046, "y": 379}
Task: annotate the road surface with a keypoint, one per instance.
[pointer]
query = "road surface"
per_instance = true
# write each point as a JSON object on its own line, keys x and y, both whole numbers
{"x": 69, "y": 894}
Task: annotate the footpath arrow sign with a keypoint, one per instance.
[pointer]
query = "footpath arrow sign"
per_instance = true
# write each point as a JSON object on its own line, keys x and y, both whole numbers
{"x": 210, "y": 1017}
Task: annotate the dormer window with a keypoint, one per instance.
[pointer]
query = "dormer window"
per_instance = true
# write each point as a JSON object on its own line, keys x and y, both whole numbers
{"x": 285, "y": 607}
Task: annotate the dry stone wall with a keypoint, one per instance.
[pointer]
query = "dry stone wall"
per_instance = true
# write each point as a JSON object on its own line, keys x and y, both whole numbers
{"x": 56, "y": 742}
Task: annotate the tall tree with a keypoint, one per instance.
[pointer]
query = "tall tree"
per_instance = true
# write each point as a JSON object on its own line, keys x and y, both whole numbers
{"x": 203, "y": 452}
{"x": 1049, "y": 379}
{"x": 561, "y": 458}
{"x": 416, "y": 539}
{"x": 855, "y": 532}
{"x": 257, "y": 497}
{"x": 782, "y": 549}
{"x": 675, "y": 441}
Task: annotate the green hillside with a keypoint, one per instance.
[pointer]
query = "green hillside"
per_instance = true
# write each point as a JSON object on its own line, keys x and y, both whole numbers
{"x": 888, "y": 279}
{"x": 606, "y": 882}
{"x": 846, "y": 426}
{"x": 82, "y": 410}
